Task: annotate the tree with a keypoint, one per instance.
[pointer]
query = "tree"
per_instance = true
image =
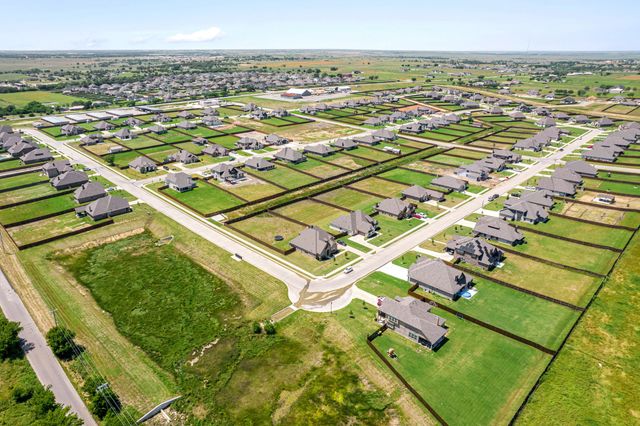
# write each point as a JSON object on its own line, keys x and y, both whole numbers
{"x": 257, "y": 329}
{"x": 60, "y": 340}
{"x": 110, "y": 159}
{"x": 9, "y": 340}
{"x": 269, "y": 328}
{"x": 105, "y": 401}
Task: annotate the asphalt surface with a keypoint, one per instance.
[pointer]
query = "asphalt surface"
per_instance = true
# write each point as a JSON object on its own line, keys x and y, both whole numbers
{"x": 42, "y": 360}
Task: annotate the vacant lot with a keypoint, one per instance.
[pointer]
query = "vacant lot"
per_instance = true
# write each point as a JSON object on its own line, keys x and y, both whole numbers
{"x": 21, "y": 99}
{"x": 312, "y": 213}
{"x": 350, "y": 199}
{"x": 284, "y": 177}
{"x": 205, "y": 198}
{"x": 266, "y": 227}
{"x": 37, "y": 209}
{"x": 19, "y": 180}
{"x": 47, "y": 228}
{"x": 597, "y": 213}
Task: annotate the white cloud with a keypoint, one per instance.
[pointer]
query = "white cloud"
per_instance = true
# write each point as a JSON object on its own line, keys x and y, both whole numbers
{"x": 196, "y": 36}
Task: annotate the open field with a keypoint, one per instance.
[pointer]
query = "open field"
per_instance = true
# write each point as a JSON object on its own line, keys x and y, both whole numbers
{"x": 37, "y": 209}
{"x": 350, "y": 199}
{"x": 21, "y": 99}
{"x": 596, "y": 213}
{"x": 593, "y": 379}
{"x": 204, "y": 198}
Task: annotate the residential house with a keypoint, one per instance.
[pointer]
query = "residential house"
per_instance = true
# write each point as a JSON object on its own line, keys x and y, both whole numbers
{"x": 227, "y": 173}
{"x": 418, "y": 193}
{"x": 320, "y": 149}
{"x": 180, "y": 182}
{"x": 248, "y": 143}
{"x": 450, "y": 183}
{"x": 290, "y": 155}
{"x": 124, "y": 134}
{"x": 507, "y": 155}
{"x": 89, "y": 191}
{"x": 274, "y": 139}
{"x": 557, "y": 186}
{"x": 105, "y": 207}
{"x": 260, "y": 164}
{"x": 37, "y": 155}
{"x": 395, "y": 207}
{"x": 71, "y": 130}
{"x": 157, "y": 129}
{"x": 356, "y": 223}
{"x": 582, "y": 168}
{"x": 184, "y": 157}
{"x": 143, "y": 164}
{"x": 103, "y": 125}
{"x": 215, "y": 150}
{"x": 368, "y": 140}
{"x": 88, "y": 140}
{"x": 435, "y": 276}
{"x": 346, "y": 144}
{"x": 493, "y": 228}
{"x": 474, "y": 251}
{"x": 600, "y": 154}
{"x": 412, "y": 319}
{"x": 56, "y": 167}
{"x": 186, "y": 125}
{"x": 315, "y": 242}
{"x": 69, "y": 179}
{"x": 385, "y": 135}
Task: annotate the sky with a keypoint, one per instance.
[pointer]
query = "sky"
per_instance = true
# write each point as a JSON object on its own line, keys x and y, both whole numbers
{"x": 461, "y": 25}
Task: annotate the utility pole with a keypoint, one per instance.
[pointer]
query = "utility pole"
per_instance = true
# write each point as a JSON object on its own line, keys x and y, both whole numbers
{"x": 55, "y": 316}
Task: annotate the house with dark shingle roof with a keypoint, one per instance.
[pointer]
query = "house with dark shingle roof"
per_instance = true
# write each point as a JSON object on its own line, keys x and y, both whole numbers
{"x": 215, "y": 150}
{"x": 319, "y": 149}
{"x": 274, "y": 139}
{"x": 356, "y": 223}
{"x": 290, "y": 155}
{"x": 180, "y": 182}
{"x": 557, "y": 186}
{"x": 435, "y": 276}
{"x": 346, "y": 144}
{"x": 259, "y": 163}
{"x": 493, "y": 228}
{"x": 412, "y": 319}
{"x": 582, "y": 168}
{"x": 88, "y": 192}
{"x": 418, "y": 193}
{"x": 227, "y": 173}
{"x": 69, "y": 179}
{"x": 56, "y": 167}
{"x": 474, "y": 251}
{"x": 450, "y": 183}
{"x": 105, "y": 207}
{"x": 37, "y": 155}
{"x": 395, "y": 207}
{"x": 143, "y": 164}
{"x": 315, "y": 242}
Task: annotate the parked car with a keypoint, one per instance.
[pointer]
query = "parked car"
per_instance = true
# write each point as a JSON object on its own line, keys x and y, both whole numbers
{"x": 348, "y": 270}
{"x": 341, "y": 242}
{"x": 493, "y": 197}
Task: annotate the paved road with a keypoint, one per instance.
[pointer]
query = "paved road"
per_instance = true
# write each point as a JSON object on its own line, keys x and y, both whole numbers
{"x": 42, "y": 360}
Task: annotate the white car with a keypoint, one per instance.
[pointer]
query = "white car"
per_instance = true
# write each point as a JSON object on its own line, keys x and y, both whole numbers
{"x": 348, "y": 270}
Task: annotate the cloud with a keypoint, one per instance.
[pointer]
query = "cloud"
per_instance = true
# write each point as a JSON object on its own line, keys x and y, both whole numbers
{"x": 196, "y": 36}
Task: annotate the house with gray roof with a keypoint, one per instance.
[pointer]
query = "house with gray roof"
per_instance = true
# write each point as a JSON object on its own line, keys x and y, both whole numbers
{"x": 546, "y": 122}
{"x": 356, "y": 223}
{"x": 450, "y": 183}
{"x": 212, "y": 121}
{"x": 603, "y": 122}
{"x": 186, "y": 125}
{"x": 227, "y": 173}
{"x": 395, "y": 207}
{"x": 601, "y": 154}
{"x": 385, "y": 135}
{"x": 346, "y": 144}
{"x": 103, "y": 125}
{"x": 568, "y": 175}
{"x": 183, "y": 156}
{"x": 143, "y": 164}
{"x": 418, "y": 193}
{"x": 88, "y": 140}
{"x": 180, "y": 182}
{"x": 124, "y": 134}
{"x": 21, "y": 148}
{"x": 89, "y": 191}
{"x": 274, "y": 139}
{"x": 493, "y": 228}
{"x": 473, "y": 171}
{"x": 557, "y": 186}
{"x": 248, "y": 143}
{"x": 517, "y": 115}
{"x": 368, "y": 140}
{"x": 157, "y": 129}
{"x": 69, "y": 179}
{"x": 71, "y": 130}
{"x": 259, "y": 163}
{"x": 290, "y": 155}
{"x": 56, "y": 167}
{"x": 319, "y": 149}
{"x": 579, "y": 119}
{"x": 133, "y": 122}
{"x": 37, "y": 155}
{"x": 412, "y": 319}
{"x": 186, "y": 115}
{"x": 435, "y": 276}
{"x": 507, "y": 155}
{"x": 582, "y": 168}
{"x": 474, "y": 251}
{"x": 105, "y": 207}
{"x": 215, "y": 150}
{"x": 531, "y": 206}
{"x": 315, "y": 242}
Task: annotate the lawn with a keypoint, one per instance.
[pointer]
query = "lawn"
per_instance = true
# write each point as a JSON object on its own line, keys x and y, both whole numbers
{"x": 140, "y": 141}
{"x": 21, "y": 99}
{"x": 581, "y": 231}
{"x": 318, "y": 168}
{"x": 350, "y": 199}
{"x": 205, "y": 198}
{"x": 390, "y": 228}
{"x": 202, "y": 131}
{"x": 37, "y": 209}
{"x": 252, "y": 189}
{"x": 476, "y": 377}
{"x": 228, "y": 141}
{"x": 159, "y": 154}
{"x": 630, "y": 178}
{"x": 19, "y": 180}
{"x": 380, "y": 187}
{"x": 172, "y": 136}
{"x": 596, "y": 213}
{"x": 266, "y": 227}
{"x": 312, "y": 213}
{"x": 593, "y": 379}
{"x": 122, "y": 159}
{"x": 13, "y": 163}
{"x": 563, "y": 284}
{"x": 47, "y": 228}
{"x": 25, "y": 194}
{"x": 284, "y": 176}
{"x": 344, "y": 160}
{"x": 607, "y": 186}
{"x": 567, "y": 253}
{"x": 369, "y": 153}
{"x": 409, "y": 177}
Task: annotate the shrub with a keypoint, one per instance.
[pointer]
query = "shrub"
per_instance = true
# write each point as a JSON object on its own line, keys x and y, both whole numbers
{"x": 257, "y": 329}
{"x": 269, "y": 328}
{"x": 9, "y": 340}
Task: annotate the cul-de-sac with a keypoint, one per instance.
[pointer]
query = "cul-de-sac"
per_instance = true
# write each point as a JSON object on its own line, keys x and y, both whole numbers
{"x": 275, "y": 214}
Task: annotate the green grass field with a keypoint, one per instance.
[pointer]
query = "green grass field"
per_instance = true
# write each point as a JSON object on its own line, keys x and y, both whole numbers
{"x": 409, "y": 177}
{"x": 350, "y": 199}
{"x": 21, "y": 99}
{"x": 285, "y": 177}
{"x": 37, "y": 209}
{"x": 205, "y": 198}
{"x": 593, "y": 379}
{"x": 25, "y": 179}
